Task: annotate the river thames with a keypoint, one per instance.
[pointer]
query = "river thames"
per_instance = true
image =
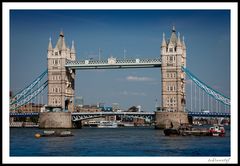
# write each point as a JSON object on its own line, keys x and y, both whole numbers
{"x": 135, "y": 141}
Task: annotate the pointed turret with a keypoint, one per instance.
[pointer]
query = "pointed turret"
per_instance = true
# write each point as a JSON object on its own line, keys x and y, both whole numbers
{"x": 72, "y": 52}
{"x": 173, "y": 28}
{"x": 179, "y": 44}
{"x": 164, "y": 44}
{"x": 61, "y": 42}
{"x": 173, "y": 38}
{"x": 64, "y": 47}
{"x": 183, "y": 43}
{"x": 50, "y": 45}
{"x": 73, "y": 48}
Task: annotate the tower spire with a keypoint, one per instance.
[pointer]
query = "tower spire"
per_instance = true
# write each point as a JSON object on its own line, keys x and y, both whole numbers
{"x": 164, "y": 44}
{"x": 173, "y": 38}
{"x": 173, "y": 28}
{"x": 50, "y": 44}
{"x": 179, "y": 40}
{"x": 61, "y": 42}
{"x": 72, "y": 48}
{"x": 183, "y": 43}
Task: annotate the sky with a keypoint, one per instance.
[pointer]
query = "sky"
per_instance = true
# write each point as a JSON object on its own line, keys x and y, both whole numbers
{"x": 206, "y": 33}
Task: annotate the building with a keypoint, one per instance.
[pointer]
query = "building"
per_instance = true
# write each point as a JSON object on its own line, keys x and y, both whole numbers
{"x": 87, "y": 108}
{"x": 111, "y": 118}
{"x": 115, "y": 107}
{"x": 79, "y": 101}
{"x": 139, "y": 108}
{"x": 30, "y": 107}
{"x": 173, "y": 59}
{"x": 173, "y": 54}
{"x": 60, "y": 79}
{"x": 138, "y": 121}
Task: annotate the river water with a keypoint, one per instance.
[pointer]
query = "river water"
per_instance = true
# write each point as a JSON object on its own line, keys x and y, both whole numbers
{"x": 135, "y": 141}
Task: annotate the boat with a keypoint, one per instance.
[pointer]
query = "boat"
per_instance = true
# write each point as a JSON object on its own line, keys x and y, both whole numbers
{"x": 128, "y": 124}
{"x": 52, "y": 133}
{"x": 171, "y": 132}
{"x": 186, "y": 130}
{"x": 107, "y": 124}
{"x": 217, "y": 130}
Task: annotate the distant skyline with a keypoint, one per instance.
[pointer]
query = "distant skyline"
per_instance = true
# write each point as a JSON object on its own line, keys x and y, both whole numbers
{"x": 139, "y": 32}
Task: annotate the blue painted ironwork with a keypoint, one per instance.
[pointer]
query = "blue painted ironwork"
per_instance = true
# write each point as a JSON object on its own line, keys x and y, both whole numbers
{"x": 217, "y": 95}
{"x": 209, "y": 114}
{"x": 29, "y": 97}
{"x": 76, "y": 116}
{"x": 113, "y": 63}
{"x": 25, "y": 91}
{"x": 26, "y": 114}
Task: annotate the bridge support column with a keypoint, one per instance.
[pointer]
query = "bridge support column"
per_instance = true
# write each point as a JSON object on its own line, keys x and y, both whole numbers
{"x": 165, "y": 120}
{"x": 55, "y": 120}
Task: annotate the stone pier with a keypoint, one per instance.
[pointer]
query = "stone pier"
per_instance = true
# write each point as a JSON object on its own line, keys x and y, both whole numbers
{"x": 170, "y": 119}
{"x": 55, "y": 120}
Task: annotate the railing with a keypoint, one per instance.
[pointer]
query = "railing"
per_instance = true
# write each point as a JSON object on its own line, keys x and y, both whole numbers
{"x": 113, "y": 61}
{"x": 209, "y": 114}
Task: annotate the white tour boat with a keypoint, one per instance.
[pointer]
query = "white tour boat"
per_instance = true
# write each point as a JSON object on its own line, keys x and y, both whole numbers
{"x": 107, "y": 124}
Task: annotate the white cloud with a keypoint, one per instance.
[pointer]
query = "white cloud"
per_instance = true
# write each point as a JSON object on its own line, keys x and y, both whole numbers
{"x": 136, "y": 78}
{"x": 127, "y": 93}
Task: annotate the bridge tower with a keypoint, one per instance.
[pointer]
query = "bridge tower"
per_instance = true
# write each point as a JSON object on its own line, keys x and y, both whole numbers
{"x": 60, "y": 79}
{"x": 173, "y": 55}
{"x": 60, "y": 86}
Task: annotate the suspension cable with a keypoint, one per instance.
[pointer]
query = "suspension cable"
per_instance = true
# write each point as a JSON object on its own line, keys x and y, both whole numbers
{"x": 199, "y": 100}
{"x": 195, "y": 97}
{"x": 208, "y": 101}
{"x": 191, "y": 95}
{"x": 203, "y": 99}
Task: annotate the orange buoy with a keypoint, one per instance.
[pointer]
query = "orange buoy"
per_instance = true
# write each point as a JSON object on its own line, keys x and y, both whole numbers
{"x": 37, "y": 135}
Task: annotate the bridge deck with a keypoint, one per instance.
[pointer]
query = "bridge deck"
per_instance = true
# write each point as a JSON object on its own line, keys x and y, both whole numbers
{"x": 113, "y": 63}
{"x": 199, "y": 114}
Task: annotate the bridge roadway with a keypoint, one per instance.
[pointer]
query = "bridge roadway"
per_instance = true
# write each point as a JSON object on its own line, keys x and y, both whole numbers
{"x": 113, "y": 63}
{"x": 87, "y": 115}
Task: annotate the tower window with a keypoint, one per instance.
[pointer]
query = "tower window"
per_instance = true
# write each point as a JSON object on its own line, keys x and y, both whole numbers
{"x": 170, "y": 49}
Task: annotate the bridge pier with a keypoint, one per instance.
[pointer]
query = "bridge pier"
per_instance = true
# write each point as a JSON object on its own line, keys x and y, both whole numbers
{"x": 165, "y": 120}
{"x": 55, "y": 120}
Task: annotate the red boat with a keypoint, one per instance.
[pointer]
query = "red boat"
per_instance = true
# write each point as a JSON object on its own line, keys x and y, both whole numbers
{"x": 217, "y": 130}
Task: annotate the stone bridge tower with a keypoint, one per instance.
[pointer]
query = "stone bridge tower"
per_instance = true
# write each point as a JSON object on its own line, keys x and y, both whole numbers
{"x": 60, "y": 86}
{"x": 173, "y": 55}
{"x": 60, "y": 79}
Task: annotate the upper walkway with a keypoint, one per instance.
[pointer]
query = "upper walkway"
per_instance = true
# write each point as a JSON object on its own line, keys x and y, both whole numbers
{"x": 113, "y": 63}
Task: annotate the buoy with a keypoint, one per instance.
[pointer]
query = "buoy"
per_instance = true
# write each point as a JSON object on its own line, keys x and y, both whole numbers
{"x": 37, "y": 135}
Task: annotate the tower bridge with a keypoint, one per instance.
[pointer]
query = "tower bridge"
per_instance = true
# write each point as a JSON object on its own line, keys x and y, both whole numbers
{"x": 78, "y": 116}
{"x": 62, "y": 66}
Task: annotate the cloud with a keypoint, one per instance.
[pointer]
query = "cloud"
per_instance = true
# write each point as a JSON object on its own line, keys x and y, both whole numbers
{"x": 127, "y": 93}
{"x": 136, "y": 78}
